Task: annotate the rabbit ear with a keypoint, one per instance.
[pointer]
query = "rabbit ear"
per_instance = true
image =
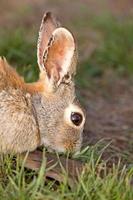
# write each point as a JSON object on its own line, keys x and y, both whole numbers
{"x": 59, "y": 58}
{"x": 48, "y": 25}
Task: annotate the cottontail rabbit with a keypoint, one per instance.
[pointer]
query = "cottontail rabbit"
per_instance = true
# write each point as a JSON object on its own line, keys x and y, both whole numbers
{"x": 46, "y": 112}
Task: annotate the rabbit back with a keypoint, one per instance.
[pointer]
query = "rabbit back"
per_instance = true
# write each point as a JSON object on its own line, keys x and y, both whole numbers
{"x": 18, "y": 126}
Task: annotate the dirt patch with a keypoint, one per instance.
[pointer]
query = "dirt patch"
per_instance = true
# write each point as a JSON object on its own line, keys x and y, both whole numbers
{"x": 110, "y": 114}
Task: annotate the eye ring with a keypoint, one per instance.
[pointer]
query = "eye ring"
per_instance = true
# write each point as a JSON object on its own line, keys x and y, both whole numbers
{"x": 76, "y": 118}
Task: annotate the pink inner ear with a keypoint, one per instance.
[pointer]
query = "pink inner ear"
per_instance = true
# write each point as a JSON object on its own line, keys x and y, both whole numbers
{"x": 59, "y": 55}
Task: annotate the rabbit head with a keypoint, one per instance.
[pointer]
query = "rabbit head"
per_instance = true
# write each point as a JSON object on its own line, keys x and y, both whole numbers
{"x": 60, "y": 116}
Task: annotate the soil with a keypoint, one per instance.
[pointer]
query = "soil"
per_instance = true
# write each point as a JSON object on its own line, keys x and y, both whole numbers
{"x": 109, "y": 107}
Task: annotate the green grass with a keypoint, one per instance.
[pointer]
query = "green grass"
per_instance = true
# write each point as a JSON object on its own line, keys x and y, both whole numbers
{"x": 114, "y": 51}
{"x": 116, "y": 48}
{"x": 19, "y": 48}
{"x": 115, "y": 184}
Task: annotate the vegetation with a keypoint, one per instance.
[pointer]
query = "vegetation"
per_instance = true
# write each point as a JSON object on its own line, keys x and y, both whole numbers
{"x": 115, "y": 183}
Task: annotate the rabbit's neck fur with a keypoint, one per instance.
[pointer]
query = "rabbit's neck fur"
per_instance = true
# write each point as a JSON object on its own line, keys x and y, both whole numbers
{"x": 40, "y": 114}
{"x": 46, "y": 110}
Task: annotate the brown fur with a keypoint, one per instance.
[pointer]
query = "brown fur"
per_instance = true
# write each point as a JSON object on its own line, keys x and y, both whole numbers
{"x": 10, "y": 78}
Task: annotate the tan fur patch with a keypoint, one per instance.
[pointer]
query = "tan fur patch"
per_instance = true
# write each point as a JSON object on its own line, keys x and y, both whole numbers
{"x": 10, "y": 78}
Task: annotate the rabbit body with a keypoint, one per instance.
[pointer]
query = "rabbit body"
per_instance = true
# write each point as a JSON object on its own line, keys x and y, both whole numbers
{"x": 18, "y": 127}
{"x": 46, "y": 112}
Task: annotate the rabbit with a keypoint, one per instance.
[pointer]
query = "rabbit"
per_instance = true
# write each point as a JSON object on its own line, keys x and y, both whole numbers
{"x": 45, "y": 113}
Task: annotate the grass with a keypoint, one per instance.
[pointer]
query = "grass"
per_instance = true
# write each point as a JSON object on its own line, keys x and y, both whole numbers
{"x": 18, "y": 183}
{"x": 20, "y": 51}
{"x": 115, "y": 52}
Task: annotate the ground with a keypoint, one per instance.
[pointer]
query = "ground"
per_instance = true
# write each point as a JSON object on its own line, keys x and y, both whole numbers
{"x": 109, "y": 114}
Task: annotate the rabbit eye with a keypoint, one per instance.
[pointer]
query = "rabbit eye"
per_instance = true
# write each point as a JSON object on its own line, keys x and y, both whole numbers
{"x": 76, "y": 118}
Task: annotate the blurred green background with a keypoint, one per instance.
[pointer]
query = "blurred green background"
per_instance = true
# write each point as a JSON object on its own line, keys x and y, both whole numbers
{"x": 103, "y": 30}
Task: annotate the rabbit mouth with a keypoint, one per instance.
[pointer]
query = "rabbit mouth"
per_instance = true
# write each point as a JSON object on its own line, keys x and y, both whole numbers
{"x": 61, "y": 148}
{"x": 52, "y": 147}
{"x": 46, "y": 143}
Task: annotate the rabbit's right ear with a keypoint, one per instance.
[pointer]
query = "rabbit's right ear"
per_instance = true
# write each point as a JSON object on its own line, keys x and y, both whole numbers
{"x": 48, "y": 25}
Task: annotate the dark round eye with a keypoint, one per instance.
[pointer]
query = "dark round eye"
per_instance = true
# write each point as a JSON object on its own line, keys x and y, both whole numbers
{"x": 76, "y": 118}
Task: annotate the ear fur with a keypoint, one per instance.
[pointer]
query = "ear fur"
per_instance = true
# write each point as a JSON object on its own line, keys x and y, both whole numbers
{"x": 48, "y": 25}
{"x": 56, "y": 52}
{"x": 59, "y": 55}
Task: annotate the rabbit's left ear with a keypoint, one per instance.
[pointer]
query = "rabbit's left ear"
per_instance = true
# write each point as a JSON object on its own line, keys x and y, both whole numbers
{"x": 56, "y": 51}
{"x": 60, "y": 57}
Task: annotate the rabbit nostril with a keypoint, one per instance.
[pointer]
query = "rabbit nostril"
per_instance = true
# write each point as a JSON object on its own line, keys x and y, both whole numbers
{"x": 76, "y": 118}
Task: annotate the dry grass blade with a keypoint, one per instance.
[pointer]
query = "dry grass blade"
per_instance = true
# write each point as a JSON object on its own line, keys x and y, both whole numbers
{"x": 56, "y": 166}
